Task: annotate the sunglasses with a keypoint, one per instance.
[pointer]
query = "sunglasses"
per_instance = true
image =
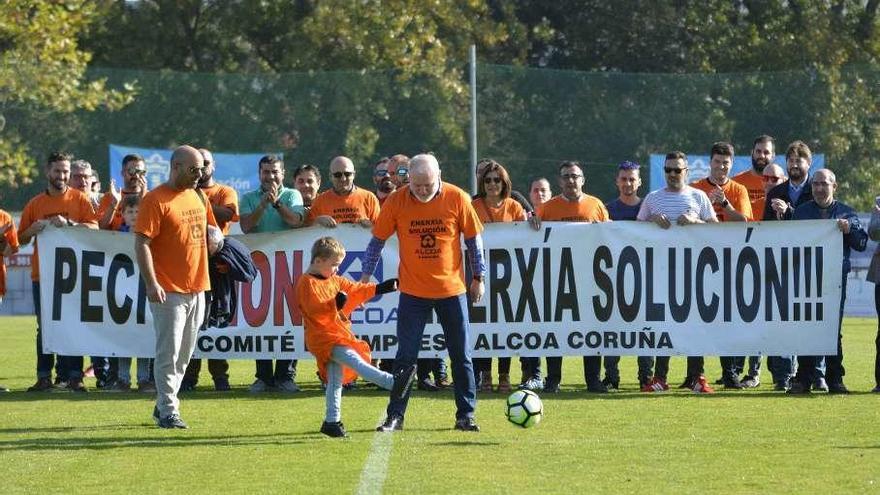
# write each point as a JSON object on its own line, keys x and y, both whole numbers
{"x": 773, "y": 179}
{"x": 381, "y": 173}
{"x": 339, "y": 175}
{"x": 675, "y": 171}
{"x": 402, "y": 171}
{"x": 492, "y": 180}
{"x": 136, "y": 172}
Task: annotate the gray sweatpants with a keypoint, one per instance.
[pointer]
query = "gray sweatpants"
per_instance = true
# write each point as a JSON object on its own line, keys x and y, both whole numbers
{"x": 177, "y": 323}
{"x": 346, "y": 356}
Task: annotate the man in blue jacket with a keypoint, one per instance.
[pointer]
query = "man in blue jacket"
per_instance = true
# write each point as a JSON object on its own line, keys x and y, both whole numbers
{"x": 824, "y": 206}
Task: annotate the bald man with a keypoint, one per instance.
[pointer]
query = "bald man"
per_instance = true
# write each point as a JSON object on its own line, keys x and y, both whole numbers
{"x": 428, "y": 217}
{"x": 344, "y": 202}
{"x": 172, "y": 255}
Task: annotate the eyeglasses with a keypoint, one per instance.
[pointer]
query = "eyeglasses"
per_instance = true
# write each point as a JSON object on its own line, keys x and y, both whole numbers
{"x": 136, "y": 172}
{"x": 339, "y": 175}
{"x": 571, "y": 176}
{"x": 402, "y": 171}
{"x": 381, "y": 173}
{"x": 492, "y": 180}
{"x": 675, "y": 171}
{"x": 772, "y": 178}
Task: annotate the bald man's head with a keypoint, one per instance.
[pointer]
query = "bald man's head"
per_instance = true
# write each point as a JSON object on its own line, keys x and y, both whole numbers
{"x": 424, "y": 173}
{"x": 773, "y": 175}
{"x": 342, "y": 175}
{"x": 187, "y": 165}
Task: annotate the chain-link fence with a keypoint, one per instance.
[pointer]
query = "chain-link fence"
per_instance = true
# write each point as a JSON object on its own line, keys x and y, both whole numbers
{"x": 528, "y": 119}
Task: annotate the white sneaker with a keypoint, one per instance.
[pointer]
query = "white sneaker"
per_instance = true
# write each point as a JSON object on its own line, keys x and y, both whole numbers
{"x": 288, "y": 386}
{"x": 258, "y": 386}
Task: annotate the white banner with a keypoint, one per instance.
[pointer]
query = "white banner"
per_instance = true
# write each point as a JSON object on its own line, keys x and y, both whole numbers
{"x": 621, "y": 288}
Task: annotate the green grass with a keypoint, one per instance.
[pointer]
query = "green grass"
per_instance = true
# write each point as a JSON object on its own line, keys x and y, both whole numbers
{"x": 736, "y": 442}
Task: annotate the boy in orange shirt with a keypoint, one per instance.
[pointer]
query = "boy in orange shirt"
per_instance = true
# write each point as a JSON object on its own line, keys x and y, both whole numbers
{"x": 326, "y": 300}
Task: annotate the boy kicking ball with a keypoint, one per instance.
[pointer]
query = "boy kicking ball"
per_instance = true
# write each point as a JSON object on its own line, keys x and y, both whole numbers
{"x": 326, "y": 300}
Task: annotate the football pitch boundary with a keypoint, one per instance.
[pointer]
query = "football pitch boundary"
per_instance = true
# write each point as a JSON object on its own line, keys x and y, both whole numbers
{"x": 376, "y": 466}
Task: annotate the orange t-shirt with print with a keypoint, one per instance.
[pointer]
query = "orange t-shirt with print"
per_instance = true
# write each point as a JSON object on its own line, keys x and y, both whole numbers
{"x": 223, "y": 195}
{"x": 508, "y": 211}
{"x": 735, "y": 192}
{"x": 350, "y": 208}
{"x": 429, "y": 235}
{"x": 10, "y": 238}
{"x": 73, "y": 205}
{"x": 117, "y": 220}
{"x": 754, "y": 184}
{"x": 323, "y": 325}
{"x": 560, "y": 209}
{"x": 175, "y": 221}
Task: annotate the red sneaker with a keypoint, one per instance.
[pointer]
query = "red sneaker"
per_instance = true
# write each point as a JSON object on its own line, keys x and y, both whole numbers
{"x": 655, "y": 385}
{"x": 701, "y": 387}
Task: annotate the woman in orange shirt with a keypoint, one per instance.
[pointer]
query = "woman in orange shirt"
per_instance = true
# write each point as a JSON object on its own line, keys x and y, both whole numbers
{"x": 326, "y": 300}
{"x": 493, "y": 204}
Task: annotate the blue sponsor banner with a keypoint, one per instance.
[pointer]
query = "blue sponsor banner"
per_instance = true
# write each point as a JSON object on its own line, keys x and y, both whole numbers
{"x": 698, "y": 166}
{"x": 238, "y": 171}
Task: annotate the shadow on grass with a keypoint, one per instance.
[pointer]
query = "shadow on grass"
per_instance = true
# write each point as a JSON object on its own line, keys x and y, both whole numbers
{"x": 466, "y": 443}
{"x": 161, "y": 440}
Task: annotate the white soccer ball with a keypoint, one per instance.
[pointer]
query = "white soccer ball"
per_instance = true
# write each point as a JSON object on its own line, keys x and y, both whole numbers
{"x": 524, "y": 408}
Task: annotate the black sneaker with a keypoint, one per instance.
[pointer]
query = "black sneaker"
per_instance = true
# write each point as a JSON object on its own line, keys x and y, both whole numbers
{"x": 820, "y": 384}
{"x": 798, "y": 387}
{"x": 335, "y": 430}
{"x": 187, "y": 385}
{"x": 76, "y": 385}
{"x": 427, "y": 385}
{"x": 392, "y": 423}
{"x": 466, "y": 424}
{"x": 403, "y": 380}
{"x": 732, "y": 383}
{"x": 597, "y": 387}
{"x": 173, "y": 421}
{"x": 783, "y": 385}
{"x": 222, "y": 385}
{"x": 689, "y": 383}
{"x": 551, "y": 386}
{"x": 837, "y": 388}
{"x": 610, "y": 384}
{"x": 750, "y": 381}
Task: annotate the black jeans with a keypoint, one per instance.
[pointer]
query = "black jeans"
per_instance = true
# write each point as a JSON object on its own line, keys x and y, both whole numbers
{"x": 285, "y": 370}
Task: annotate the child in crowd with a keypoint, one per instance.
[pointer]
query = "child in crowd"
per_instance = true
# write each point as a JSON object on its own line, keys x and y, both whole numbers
{"x": 326, "y": 300}
{"x": 130, "y": 205}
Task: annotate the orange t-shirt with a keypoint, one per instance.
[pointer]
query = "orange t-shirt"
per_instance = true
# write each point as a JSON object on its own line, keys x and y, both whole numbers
{"x": 117, "y": 220}
{"x": 351, "y": 208}
{"x": 509, "y": 211}
{"x": 430, "y": 239}
{"x": 222, "y": 195}
{"x": 326, "y": 327}
{"x": 735, "y": 192}
{"x": 175, "y": 222}
{"x": 560, "y": 209}
{"x": 754, "y": 184}
{"x": 10, "y": 237}
{"x": 73, "y": 205}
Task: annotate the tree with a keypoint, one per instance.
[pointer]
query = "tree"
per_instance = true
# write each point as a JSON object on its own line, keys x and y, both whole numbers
{"x": 43, "y": 75}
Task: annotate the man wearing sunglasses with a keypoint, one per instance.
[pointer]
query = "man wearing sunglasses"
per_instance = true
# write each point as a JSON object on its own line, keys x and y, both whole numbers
{"x": 134, "y": 182}
{"x": 382, "y": 179}
{"x": 683, "y": 205}
{"x": 398, "y": 170}
{"x": 344, "y": 202}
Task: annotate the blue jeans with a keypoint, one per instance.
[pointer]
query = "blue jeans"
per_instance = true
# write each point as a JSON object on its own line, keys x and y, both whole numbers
{"x": 143, "y": 370}
{"x": 342, "y": 356}
{"x": 69, "y": 367}
{"x": 412, "y": 315}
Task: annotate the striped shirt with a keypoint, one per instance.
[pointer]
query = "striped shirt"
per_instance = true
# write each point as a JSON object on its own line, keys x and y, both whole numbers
{"x": 674, "y": 204}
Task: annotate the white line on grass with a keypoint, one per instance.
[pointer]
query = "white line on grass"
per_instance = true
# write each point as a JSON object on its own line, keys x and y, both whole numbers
{"x": 376, "y": 467}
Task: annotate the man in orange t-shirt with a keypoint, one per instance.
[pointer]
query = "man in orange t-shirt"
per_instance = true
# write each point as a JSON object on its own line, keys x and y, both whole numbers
{"x": 753, "y": 179}
{"x": 731, "y": 203}
{"x": 172, "y": 255}
{"x": 224, "y": 205}
{"x": 344, "y": 202}
{"x": 572, "y": 206}
{"x": 62, "y": 206}
{"x": 134, "y": 183}
{"x": 430, "y": 217}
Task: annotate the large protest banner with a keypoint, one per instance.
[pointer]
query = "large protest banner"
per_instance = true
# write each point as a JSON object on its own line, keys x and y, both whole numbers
{"x": 621, "y": 288}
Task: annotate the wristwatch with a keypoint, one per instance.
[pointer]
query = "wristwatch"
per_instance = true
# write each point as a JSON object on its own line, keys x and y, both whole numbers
{"x": 725, "y": 203}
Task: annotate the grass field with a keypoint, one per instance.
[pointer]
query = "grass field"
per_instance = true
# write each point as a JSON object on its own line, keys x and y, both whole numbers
{"x": 756, "y": 441}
